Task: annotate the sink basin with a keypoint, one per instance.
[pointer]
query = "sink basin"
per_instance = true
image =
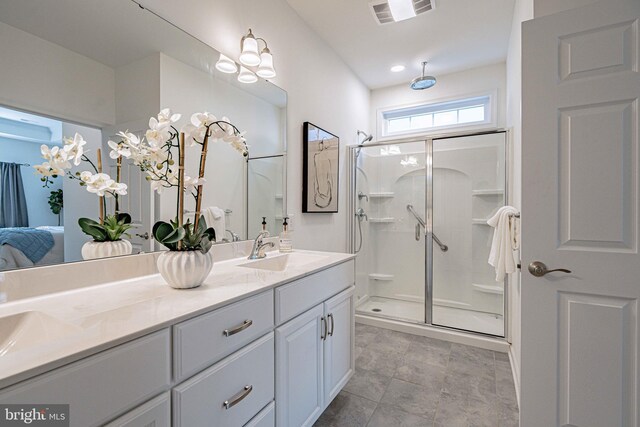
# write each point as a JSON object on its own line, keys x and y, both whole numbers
{"x": 29, "y": 328}
{"x": 282, "y": 262}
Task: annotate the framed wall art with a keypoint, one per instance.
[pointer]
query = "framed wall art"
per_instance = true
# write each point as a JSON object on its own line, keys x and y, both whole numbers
{"x": 321, "y": 154}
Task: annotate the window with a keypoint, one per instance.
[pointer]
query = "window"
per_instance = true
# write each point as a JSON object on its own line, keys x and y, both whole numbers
{"x": 426, "y": 117}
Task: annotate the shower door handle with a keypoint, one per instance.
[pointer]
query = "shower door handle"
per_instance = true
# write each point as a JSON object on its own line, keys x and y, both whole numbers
{"x": 418, "y": 229}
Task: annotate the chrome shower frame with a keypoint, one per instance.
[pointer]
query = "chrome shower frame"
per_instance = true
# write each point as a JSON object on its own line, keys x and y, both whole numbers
{"x": 352, "y": 159}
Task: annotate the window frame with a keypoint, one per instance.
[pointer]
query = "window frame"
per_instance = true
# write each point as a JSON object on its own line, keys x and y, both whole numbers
{"x": 490, "y": 121}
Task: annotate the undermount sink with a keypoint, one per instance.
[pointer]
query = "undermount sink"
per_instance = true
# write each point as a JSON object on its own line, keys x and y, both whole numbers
{"x": 29, "y": 328}
{"x": 282, "y": 262}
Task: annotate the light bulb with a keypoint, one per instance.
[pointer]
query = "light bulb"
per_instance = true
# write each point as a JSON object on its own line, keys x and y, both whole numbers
{"x": 266, "y": 70}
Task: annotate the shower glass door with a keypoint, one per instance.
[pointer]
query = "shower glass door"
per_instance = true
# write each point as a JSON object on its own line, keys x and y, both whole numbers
{"x": 468, "y": 187}
{"x": 390, "y": 266}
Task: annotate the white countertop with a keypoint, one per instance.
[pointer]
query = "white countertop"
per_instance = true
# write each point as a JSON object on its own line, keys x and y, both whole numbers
{"x": 113, "y": 313}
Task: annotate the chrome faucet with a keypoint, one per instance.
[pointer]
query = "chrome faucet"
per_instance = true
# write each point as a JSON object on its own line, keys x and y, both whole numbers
{"x": 257, "y": 251}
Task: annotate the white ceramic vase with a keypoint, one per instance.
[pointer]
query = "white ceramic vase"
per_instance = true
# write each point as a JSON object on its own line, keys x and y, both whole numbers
{"x": 184, "y": 269}
{"x": 93, "y": 249}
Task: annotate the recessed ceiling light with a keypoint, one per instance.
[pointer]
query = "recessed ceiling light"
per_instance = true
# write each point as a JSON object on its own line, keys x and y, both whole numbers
{"x": 397, "y": 68}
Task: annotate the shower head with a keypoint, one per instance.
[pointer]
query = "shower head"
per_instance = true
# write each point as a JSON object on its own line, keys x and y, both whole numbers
{"x": 366, "y": 139}
{"x": 423, "y": 82}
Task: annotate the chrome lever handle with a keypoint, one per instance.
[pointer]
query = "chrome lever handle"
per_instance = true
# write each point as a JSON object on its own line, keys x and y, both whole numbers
{"x": 539, "y": 269}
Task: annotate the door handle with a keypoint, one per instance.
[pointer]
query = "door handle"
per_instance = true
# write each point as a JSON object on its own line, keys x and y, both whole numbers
{"x": 144, "y": 236}
{"x": 539, "y": 269}
{"x": 240, "y": 328}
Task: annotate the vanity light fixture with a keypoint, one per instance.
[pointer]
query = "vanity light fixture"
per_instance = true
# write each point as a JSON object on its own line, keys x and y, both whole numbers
{"x": 252, "y": 56}
{"x": 249, "y": 55}
{"x": 226, "y": 65}
{"x": 266, "y": 70}
{"x": 246, "y": 76}
{"x": 397, "y": 68}
{"x": 401, "y": 9}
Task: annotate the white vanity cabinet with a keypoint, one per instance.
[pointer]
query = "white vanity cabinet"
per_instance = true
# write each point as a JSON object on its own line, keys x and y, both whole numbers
{"x": 314, "y": 355}
{"x": 274, "y": 358}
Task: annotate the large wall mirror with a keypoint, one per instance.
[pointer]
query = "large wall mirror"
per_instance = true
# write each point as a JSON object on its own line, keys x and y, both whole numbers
{"x": 98, "y": 68}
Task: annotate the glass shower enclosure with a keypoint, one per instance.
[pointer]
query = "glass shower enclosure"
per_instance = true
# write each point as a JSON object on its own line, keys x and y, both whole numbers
{"x": 419, "y": 228}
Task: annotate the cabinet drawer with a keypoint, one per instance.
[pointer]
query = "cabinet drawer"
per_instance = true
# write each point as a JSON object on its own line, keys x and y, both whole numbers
{"x": 202, "y": 341}
{"x": 266, "y": 417}
{"x": 299, "y": 296}
{"x": 229, "y": 393}
{"x": 105, "y": 385}
{"x": 155, "y": 413}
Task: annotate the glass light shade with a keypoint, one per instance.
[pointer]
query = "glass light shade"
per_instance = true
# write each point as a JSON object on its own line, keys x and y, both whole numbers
{"x": 246, "y": 76}
{"x": 226, "y": 65}
{"x": 250, "y": 56}
{"x": 401, "y": 9}
{"x": 266, "y": 70}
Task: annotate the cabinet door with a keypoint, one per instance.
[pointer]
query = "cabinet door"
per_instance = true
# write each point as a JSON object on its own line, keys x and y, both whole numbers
{"x": 339, "y": 345}
{"x": 299, "y": 398}
{"x": 155, "y": 413}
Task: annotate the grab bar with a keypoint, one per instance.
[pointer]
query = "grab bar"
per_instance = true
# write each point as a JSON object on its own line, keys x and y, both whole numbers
{"x": 443, "y": 247}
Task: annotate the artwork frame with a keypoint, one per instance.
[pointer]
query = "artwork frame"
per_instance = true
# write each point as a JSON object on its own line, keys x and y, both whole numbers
{"x": 320, "y": 170}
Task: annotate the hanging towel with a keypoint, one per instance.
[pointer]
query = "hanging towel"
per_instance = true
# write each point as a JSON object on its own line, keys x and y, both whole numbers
{"x": 505, "y": 240}
{"x": 214, "y": 216}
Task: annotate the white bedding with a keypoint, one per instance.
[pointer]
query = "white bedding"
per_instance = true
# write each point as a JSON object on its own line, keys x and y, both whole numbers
{"x": 11, "y": 257}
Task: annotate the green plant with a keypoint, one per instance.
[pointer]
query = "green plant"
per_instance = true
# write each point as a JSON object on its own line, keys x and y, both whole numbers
{"x": 111, "y": 230}
{"x": 56, "y": 202}
{"x": 187, "y": 237}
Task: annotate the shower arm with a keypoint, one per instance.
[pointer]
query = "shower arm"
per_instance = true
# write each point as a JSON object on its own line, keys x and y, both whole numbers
{"x": 443, "y": 247}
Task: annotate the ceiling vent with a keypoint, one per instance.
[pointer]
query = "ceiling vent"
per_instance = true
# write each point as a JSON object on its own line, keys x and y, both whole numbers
{"x": 382, "y": 12}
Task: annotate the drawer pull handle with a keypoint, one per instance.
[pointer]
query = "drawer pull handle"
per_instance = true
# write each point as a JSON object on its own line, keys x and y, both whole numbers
{"x": 331, "y": 330}
{"x": 228, "y": 404}
{"x": 323, "y": 331}
{"x": 233, "y": 331}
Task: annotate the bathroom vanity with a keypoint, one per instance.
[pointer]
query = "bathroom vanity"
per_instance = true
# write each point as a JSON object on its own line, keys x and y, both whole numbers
{"x": 261, "y": 343}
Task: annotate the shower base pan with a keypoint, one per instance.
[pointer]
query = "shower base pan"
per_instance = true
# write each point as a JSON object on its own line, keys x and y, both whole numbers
{"x": 469, "y": 320}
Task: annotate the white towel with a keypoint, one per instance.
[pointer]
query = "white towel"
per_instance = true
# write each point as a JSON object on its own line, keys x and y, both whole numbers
{"x": 505, "y": 240}
{"x": 214, "y": 216}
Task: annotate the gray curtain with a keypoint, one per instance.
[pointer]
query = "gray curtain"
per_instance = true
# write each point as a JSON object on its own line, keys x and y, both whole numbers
{"x": 13, "y": 203}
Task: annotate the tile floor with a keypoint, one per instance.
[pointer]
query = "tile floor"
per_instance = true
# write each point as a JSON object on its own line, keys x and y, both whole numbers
{"x": 404, "y": 380}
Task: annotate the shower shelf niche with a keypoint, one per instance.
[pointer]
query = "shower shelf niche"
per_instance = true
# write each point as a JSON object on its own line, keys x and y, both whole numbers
{"x": 495, "y": 192}
{"x": 479, "y": 221}
{"x": 382, "y": 220}
{"x": 488, "y": 289}
{"x": 381, "y": 277}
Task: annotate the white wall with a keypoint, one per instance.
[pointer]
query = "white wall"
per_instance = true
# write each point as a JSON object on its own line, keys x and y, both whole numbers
{"x": 468, "y": 82}
{"x": 47, "y": 87}
{"x": 549, "y": 7}
{"x": 523, "y": 11}
{"x": 321, "y": 89}
{"x": 16, "y": 151}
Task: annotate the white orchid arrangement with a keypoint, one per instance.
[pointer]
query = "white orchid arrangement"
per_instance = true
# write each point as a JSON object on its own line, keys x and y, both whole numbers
{"x": 59, "y": 161}
{"x": 154, "y": 154}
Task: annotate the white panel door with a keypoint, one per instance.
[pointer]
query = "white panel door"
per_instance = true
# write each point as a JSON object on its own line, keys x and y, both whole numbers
{"x": 299, "y": 369}
{"x": 339, "y": 345}
{"x": 580, "y": 212}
